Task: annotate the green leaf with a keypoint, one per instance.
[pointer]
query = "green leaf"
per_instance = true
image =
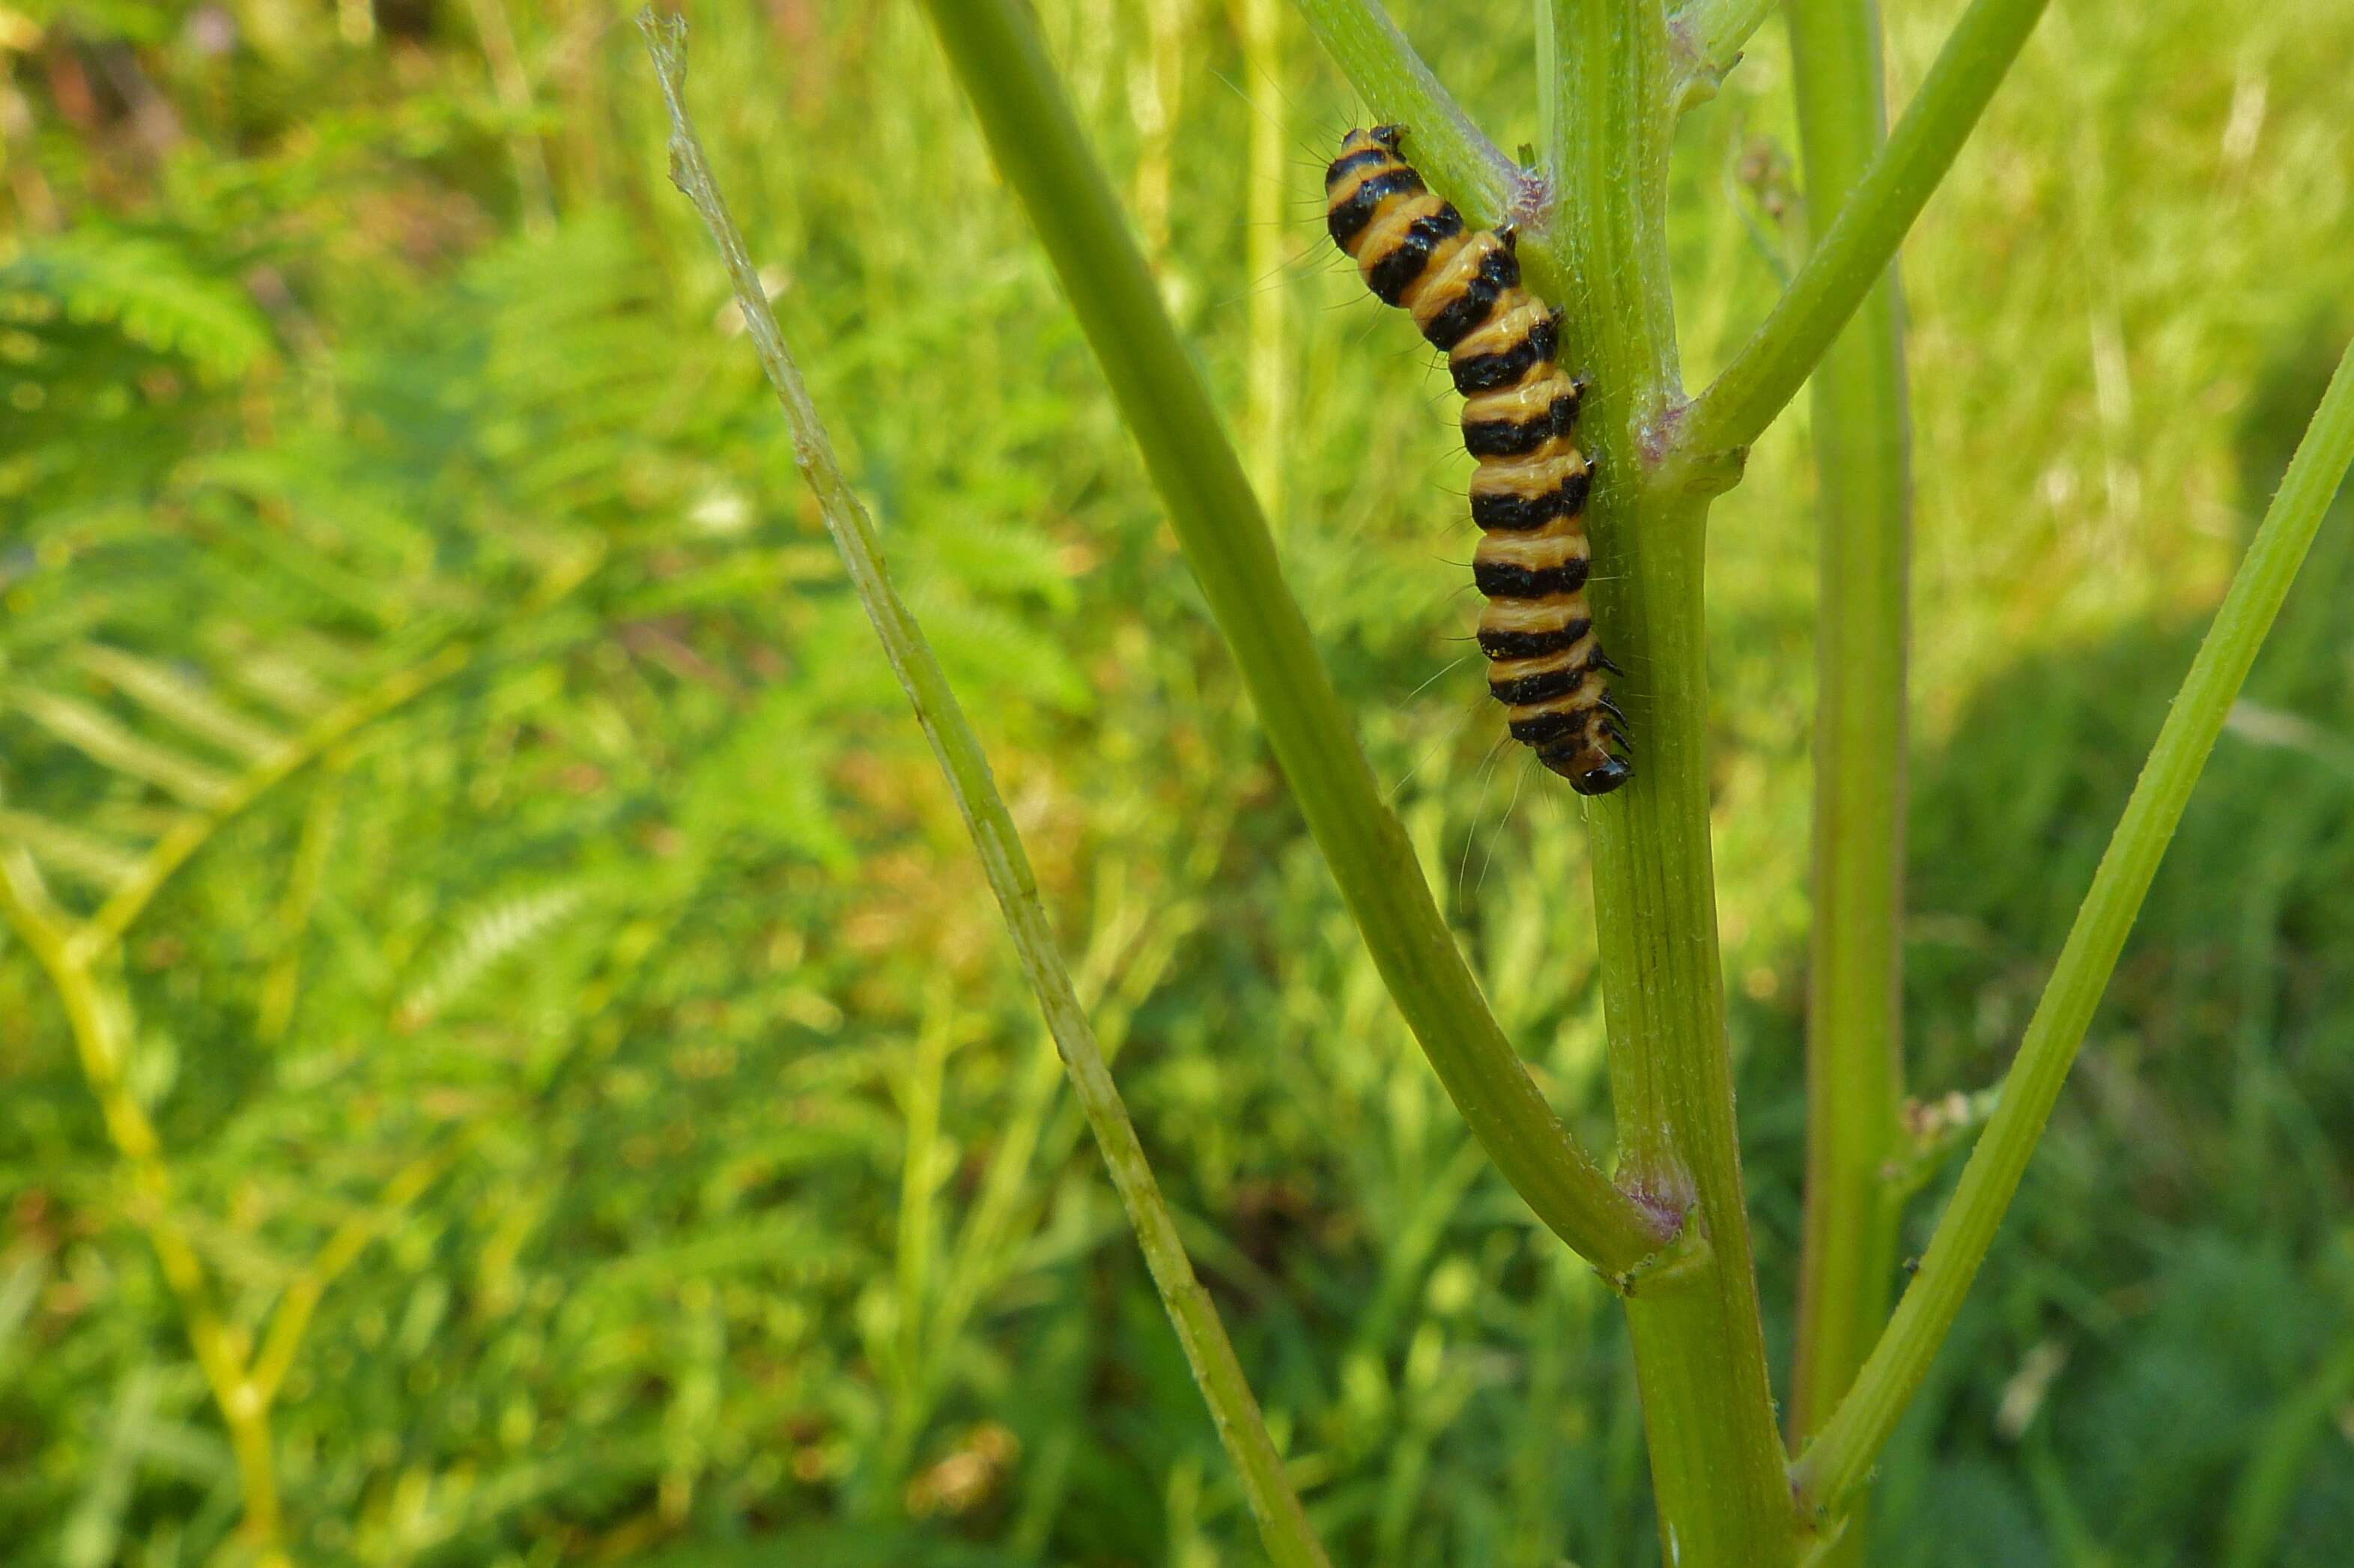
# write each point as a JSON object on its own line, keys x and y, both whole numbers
{"x": 152, "y": 293}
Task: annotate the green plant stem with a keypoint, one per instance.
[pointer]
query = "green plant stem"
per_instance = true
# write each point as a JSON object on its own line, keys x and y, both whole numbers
{"x": 1283, "y": 1525}
{"x": 1445, "y": 146}
{"x": 1717, "y": 1463}
{"x": 1841, "y": 1455}
{"x": 1706, "y": 37}
{"x": 994, "y": 49}
{"x": 1855, "y": 962}
{"x": 1851, "y": 257}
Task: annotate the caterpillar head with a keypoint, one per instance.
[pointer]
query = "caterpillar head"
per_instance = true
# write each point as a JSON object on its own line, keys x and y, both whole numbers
{"x": 1385, "y": 137}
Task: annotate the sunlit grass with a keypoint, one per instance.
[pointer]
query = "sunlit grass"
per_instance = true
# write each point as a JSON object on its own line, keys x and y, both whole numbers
{"x": 2115, "y": 304}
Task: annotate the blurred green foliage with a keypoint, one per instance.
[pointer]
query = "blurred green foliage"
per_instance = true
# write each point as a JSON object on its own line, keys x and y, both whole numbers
{"x": 340, "y": 340}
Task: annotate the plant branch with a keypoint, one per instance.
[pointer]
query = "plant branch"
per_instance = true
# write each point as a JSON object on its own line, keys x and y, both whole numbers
{"x": 1706, "y": 37}
{"x": 1283, "y": 1525}
{"x": 996, "y": 53}
{"x": 1862, "y": 239}
{"x": 1717, "y": 1464}
{"x": 1444, "y": 144}
{"x": 1855, "y": 963}
{"x": 1841, "y": 1457}
{"x": 184, "y": 838}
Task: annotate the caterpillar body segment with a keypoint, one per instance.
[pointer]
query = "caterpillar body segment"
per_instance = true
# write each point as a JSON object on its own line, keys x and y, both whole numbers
{"x": 1519, "y": 419}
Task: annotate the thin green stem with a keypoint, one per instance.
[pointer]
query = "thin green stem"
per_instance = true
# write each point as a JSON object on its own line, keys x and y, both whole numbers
{"x": 1444, "y": 144}
{"x": 290, "y": 1320}
{"x": 1855, "y": 964}
{"x": 1551, "y": 133}
{"x": 1451, "y": 153}
{"x": 1843, "y": 1454}
{"x": 1717, "y": 1463}
{"x": 1853, "y": 254}
{"x": 1283, "y": 1525}
{"x": 997, "y": 55}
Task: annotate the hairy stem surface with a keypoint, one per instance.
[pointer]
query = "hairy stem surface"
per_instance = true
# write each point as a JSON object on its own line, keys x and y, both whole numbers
{"x": 1717, "y": 1464}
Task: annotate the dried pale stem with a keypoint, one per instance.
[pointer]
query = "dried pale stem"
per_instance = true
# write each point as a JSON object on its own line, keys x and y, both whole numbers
{"x": 1283, "y": 1525}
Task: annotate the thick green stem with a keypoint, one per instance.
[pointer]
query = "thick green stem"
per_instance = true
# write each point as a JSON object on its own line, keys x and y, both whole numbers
{"x": 996, "y": 53}
{"x": 1841, "y": 1457}
{"x": 1283, "y": 1525}
{"x": 1851, "y": 257}
{"x": 1717, "y": 1464}
{"x": 1855, "y": 966}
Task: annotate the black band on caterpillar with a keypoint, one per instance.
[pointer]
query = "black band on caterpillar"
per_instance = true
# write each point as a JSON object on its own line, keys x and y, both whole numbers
{"x": 1550, "y": 724}
{"x": 1528, "y": 496}
{"x": 1506, "y": 437}
{"x": 1528, "y": 691}
{"x": 1505, "y": 368}
{"x": 1347, "y": 219}
{"x": 1405, "y": 262}
{"x": 1498, "y": 270}
{"x": 1503, "y": 512}
{"x": 1508, "y": 579}
{"x": 1498, "y": 645}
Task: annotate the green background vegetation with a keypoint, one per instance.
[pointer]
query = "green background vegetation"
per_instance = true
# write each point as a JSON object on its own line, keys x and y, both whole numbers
{"x": 752, "y": 1221}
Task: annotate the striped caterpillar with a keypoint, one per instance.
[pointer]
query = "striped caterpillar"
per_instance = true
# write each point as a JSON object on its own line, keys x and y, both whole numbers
{"x": 1520, "y": 415}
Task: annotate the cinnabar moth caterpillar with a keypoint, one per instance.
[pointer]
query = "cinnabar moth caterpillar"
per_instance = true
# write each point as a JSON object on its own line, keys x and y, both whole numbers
{"x": 1520, "y": 418}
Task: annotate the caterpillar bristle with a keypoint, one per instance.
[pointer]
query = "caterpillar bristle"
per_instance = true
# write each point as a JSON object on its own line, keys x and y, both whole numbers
{"x": 1527, "y": 495}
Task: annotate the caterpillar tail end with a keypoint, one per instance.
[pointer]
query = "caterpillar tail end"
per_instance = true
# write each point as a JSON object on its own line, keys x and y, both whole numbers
{"x": 1590, "y": 769}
